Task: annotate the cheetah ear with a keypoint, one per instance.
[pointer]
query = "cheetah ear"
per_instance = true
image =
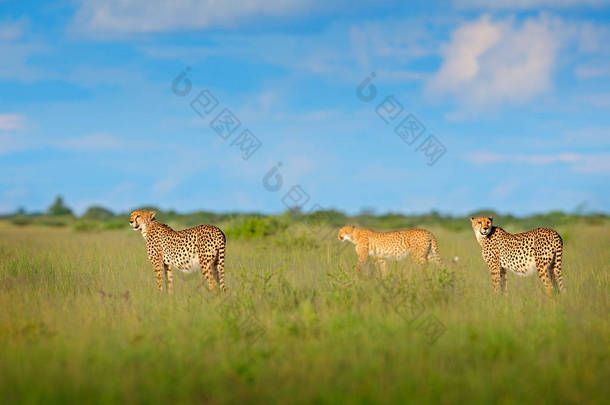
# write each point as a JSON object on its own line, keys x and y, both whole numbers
{"x": 153, "y": 214}
{"x": 471, "y": 219}
{"x": 491, "y": 218}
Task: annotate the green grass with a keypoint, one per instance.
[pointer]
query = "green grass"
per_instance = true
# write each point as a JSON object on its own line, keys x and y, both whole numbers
{"x": 81, "y": 320}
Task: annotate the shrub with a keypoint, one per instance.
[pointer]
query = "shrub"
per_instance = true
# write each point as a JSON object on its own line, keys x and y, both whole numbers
{"x": 115, "y": 224}
{"x": 98, "y": 213}
{"x": 21, "y": 220}
{"x": 58, "y": 208}
{"x": 301, "y": 241}
{"x": 86, "y": 226}
{"x": 63, "y": 220}
{"x": 255, "y": 227}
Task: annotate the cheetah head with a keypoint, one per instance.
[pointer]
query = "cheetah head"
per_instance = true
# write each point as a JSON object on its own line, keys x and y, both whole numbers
{"x": 346, "y": 233}
{"x": 140, "y": 219}
{"x": 482, "y": 225}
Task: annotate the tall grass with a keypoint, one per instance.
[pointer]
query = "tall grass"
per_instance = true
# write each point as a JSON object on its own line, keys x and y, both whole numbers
{"x": 81, "y": 320}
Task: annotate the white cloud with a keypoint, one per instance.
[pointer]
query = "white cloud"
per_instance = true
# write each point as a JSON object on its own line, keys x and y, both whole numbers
{"x": 186, "y": 163}
{"x": 144, "y": 16}
{"x": 504, "y": 190}
{"x": 14, "y": 193}
{"x": 590, "y": 136}
{"x": 11, "y": 30}
{"x": 11, "y": 143}
{"x": 16, "y": 50}
{"x": 528, "y": 4}
{"x": 488, "y": 63}
{"x": 583, "y": 163}
{"x": 96, "y": 142}
{"x": 344, "y": 51}
{"x": 592, "y": 71}
{"x": 599, "y": 100}
{"x": 11, "y": 122}
{"x": 91, "y": 142}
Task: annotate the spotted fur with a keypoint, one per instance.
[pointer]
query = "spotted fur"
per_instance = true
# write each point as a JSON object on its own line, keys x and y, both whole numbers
{"x": 201, "y": 247}
{"x": 420, "y": 243}
{"x": 539, "y": 250}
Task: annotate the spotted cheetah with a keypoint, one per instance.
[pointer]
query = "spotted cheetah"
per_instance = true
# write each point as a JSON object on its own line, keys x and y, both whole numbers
{"x": 522, "y": 253}
{"x": 396, "y": 245}
{"x": 187, "y": 250}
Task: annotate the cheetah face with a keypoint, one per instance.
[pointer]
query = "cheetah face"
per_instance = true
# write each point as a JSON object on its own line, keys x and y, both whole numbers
{"x": 140, "y": 219}
{"x": 345, "y": 233}
{"x": 482, "y": 225}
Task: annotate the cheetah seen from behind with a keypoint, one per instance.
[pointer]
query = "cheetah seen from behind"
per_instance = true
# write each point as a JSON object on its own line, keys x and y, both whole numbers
{"x": 539, "y": 250}
{"x": 201, "y": 247}
{"x": 420, "y": 243}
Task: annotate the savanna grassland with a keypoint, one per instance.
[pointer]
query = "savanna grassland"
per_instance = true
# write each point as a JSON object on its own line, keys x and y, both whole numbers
{"x": 81, "y": 321}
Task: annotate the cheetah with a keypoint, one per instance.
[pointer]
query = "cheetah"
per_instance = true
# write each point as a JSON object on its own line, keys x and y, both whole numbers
{"x": 397, "y": 245}
{"x": 187, "y": 250}
{"x": 522, "y": 253}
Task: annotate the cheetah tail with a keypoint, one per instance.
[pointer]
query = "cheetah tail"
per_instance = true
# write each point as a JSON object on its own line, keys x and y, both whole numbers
{"x": 220, "y": 267}
{"x": 557, "y": 275}
{"x": 434, "y": 255}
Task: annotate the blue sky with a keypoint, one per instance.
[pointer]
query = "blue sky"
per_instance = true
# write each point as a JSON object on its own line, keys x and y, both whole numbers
{"x": 512, "y": 99}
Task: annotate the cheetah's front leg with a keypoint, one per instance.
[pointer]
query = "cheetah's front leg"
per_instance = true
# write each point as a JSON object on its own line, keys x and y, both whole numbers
{"x": 503, "y": 287}
{"x": 170, "y": 276}
{"x": 157, "y": 263}
{"x": 494, "y": 270}
{"x": 383, "y": 265}
{"x": 363, "y": 254}
{"x": 542, "y": 265}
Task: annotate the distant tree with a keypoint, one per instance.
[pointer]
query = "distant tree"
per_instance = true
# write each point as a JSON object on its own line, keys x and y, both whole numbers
{"x": 484, "y": 213}
{"x": 98, "y": 213}
{"x": 59, "y": 208}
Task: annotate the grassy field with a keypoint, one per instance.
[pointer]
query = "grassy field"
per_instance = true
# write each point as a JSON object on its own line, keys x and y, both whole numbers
{"x": 81, "y": 321}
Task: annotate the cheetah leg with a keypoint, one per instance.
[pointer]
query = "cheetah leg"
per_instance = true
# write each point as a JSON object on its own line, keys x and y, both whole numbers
{"x": 157, "y": 263}
{"x": 557, "y": 270}
{"x": 170, "y": 277}
{"x": 503, "y": 281}
{"x": 220, "y": 267}
{"x": 433, "y": 255}
{"x": 363, "y": 254}
{"x": 383, "y": 265}
{"x": 206, "y": 268}
{"x": 420, "y": 257}
{"x": 542, "y": 265}
{"x": 494, "y": 270}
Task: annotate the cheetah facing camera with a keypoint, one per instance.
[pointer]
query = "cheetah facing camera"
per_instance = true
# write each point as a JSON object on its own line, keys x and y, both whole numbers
{"x": 201, "y": 247}
{"x": 523, "y": 253}
{"x": 396, "y": 245}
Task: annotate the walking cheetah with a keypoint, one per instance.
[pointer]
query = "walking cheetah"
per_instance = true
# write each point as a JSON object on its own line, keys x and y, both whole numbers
{"x": 187, "y": 250}
{"x": 398, "y": 244}
{"x": 522, "y": 253}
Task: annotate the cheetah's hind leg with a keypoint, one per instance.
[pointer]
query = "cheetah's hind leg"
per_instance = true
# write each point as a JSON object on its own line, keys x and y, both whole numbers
{"x": 543, "y": 265}
{"x": 219, "y": 264}
{"x": 206, "y": 269}
{"x": 556, "y": 272}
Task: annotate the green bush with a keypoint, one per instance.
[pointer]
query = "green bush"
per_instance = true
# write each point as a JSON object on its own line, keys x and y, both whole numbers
{"x": 58, "y": 208}
{"x": 98, "y": 213}
{"x": 255, "y": 227}
{"x": 63, "y": 220}
{"x": 21, "y": 220}
{"x": 115, "y": 224}
{"x": 291, "y": 241}
{"x": 86, "y": 226}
